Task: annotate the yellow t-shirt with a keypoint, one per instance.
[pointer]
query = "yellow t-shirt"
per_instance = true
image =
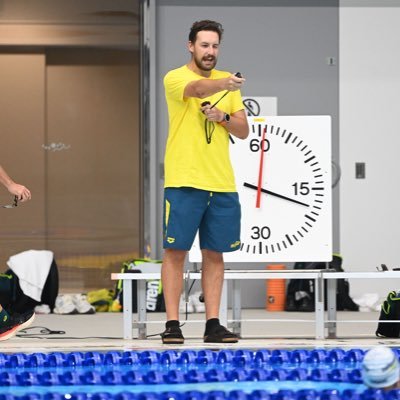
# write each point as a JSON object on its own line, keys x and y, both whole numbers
{"x": 189, "y": 160}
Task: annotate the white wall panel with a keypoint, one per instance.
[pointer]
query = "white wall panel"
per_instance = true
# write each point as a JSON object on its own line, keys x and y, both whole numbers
{"x": 369, "y": 132}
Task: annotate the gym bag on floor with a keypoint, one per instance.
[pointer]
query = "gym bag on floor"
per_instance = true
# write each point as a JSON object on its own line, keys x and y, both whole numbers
{"x": 300, "y": 293}
{"x": 390, "y": 310}
{"x": 154, "y": 293}
{"x": 13, "y": 299}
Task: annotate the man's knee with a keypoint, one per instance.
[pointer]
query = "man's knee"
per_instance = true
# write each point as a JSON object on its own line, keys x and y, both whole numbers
{"x": 212, "y": 257}
{"x": 173, "y": 256}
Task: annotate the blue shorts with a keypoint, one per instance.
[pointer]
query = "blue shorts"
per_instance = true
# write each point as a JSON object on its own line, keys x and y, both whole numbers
{"x": 216, "y": 215}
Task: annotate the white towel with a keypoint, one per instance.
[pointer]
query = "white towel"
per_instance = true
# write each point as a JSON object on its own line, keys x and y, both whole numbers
{"x": 369, "y": 302}
{"x": 32, "y": 268}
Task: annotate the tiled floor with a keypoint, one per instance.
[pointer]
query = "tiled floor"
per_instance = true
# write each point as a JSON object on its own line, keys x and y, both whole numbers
{"x": 103, "y": 331}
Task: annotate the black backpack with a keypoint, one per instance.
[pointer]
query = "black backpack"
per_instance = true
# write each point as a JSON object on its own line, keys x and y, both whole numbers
{"x": 14, "y": 300}
{"x": 300, "y": 294}
{"x": 390, "y": 310}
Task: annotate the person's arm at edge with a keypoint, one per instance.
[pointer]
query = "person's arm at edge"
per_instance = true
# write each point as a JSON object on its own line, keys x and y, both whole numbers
{"x": 16, "y": 189}
{"x": 4, "y": 178}
{"x": 206, "y": 87}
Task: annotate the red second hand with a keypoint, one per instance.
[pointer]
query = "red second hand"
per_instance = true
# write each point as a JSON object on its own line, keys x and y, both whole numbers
{"x": 260, "y": 172}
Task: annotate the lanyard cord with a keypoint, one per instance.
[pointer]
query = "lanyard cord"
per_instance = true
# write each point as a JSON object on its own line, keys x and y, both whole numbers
{"x": 209, "y": 128}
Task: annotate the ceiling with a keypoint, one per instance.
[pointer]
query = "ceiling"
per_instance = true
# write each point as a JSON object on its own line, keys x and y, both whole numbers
{"x": 119, "y": 12}
{"x": 44, "y": 23}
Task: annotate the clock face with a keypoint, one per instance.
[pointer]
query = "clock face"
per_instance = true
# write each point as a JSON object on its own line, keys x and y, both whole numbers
{"x": 283, "y": 177}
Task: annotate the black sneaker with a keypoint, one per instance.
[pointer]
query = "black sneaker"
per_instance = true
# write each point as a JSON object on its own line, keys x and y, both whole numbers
{"x": 221, "y": 335}
{"x": 16, "y": 323}
{"x": 172, "y": 335}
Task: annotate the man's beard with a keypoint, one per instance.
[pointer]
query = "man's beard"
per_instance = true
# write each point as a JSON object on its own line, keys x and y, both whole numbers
{"x": 200, "y": 63}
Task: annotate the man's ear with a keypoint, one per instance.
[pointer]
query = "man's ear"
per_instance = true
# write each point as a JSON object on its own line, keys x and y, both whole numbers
{"x": 190, "y": 46}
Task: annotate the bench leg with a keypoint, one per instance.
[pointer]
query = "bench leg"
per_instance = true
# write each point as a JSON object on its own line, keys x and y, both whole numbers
{"x": 319, "y": 308}
{"x": 236, "y": 307}
{"x": 142, "y": 314}
{"x": 331, "y": 288}
{"x": 127, "y": 311}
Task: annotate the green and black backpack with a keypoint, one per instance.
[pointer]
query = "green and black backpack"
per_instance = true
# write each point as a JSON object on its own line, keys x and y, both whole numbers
{"x": 390, "y": 311}
{"x": 154, "y": 292}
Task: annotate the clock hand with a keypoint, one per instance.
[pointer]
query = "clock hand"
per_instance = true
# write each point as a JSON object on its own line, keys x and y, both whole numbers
{"x": 249, "y": 185}
{"x": 260, "y": 171}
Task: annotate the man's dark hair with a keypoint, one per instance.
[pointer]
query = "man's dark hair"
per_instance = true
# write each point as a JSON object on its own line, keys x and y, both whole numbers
{"x": 205, "y": 25}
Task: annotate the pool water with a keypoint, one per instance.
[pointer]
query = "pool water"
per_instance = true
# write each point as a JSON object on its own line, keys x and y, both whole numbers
{"x": 244, "y": 374}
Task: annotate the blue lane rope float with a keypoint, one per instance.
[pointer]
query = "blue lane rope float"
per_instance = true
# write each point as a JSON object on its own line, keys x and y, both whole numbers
{"x": 174, "y": 367}
{"x": 155, "y": 377}
{"x": 239, "y": 357}
{"x": 305, "y": 394}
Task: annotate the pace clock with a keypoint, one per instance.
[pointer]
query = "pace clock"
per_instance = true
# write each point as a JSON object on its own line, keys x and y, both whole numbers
{"x": 283, "y": 177}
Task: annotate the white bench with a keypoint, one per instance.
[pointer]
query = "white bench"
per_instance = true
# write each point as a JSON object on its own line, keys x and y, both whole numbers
{"x": 235, "y": 276}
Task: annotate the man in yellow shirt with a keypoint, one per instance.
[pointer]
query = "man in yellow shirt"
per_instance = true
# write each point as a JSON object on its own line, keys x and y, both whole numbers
{"x": 204, "y": 106}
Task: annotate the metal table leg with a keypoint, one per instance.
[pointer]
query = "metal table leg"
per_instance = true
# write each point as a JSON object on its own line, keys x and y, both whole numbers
{"x": 127, "y": 311}
{"x": 236, "y": 307}
{"x": 141, "y": 304}
{"x": 331, "y": 299}
{"x": 319, "y": 308}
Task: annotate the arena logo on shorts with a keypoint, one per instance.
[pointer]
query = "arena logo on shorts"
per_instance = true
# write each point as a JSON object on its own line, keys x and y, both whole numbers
{"x": 170, "y": 239}
{"x": 235, "y": 244}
